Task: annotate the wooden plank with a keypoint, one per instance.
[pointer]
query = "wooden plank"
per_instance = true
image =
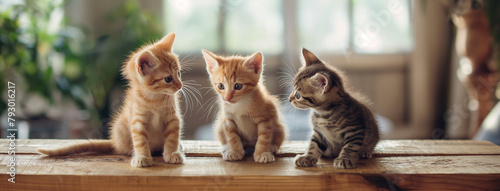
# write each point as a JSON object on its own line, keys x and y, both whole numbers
{"x": 435, "y": 148}
{"x": 113, "y": 172}
{"x": 337, "y": 182}
{"x": 292, "y": 148}
{"x": 104, "y": 165}
{"x": 398, "y": 164}
{"x": 113, "y": 183}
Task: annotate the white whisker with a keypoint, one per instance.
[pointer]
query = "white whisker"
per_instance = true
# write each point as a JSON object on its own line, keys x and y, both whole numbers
{"x": 286, "y": 75}
{"x": 190, "y": 95}
{"x": 213, "y": 103}
{"x": 185, "y": 100}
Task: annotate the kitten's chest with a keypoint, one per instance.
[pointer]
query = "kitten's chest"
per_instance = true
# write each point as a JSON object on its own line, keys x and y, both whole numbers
{"x": 332, "y": 135}
{"x": 333, "y": 138}
{"x": 155, "y": 128}
{"x": 246, "y": 127}
{"x": 329, "y": 128}
{"x": 157, "y": 118}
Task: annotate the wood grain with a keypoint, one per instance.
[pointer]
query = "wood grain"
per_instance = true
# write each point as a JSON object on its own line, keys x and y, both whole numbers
{"x": 292, "y": 148}
{"x": 337, "y": 182}
{"x": 397, "y": 165}
{"x": 283, "y": 166}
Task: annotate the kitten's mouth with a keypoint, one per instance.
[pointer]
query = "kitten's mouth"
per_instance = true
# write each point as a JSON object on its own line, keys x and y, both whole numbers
{"x": 178, "y": 87}
{"x": 172, "y": 92}
{"x": 230, "y": 101}
{"x": 299, "y": 106}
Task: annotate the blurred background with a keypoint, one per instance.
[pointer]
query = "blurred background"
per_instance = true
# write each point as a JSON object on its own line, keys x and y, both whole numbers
{"x": 429, "y": 67}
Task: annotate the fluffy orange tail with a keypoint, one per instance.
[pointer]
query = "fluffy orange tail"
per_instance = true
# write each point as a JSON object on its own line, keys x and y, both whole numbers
{"x": 94, "y": 146}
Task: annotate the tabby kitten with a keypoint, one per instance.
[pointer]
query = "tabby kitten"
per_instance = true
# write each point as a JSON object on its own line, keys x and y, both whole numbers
{"x": 249, "y": 115}
{"x": 150, "y": 118}
{"x": 344, "y": 127}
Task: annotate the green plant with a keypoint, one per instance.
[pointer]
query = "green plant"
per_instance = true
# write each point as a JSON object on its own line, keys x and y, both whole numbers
{"x": 66, "y": 60}
{"x": 32, "y": 48}
{"x": 492, "y": 8}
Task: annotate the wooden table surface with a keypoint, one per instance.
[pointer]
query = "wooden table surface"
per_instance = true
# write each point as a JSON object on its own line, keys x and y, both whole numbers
{"x": 396, "y": 165}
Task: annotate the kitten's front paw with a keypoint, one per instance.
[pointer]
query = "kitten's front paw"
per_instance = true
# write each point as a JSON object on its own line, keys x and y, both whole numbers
{"x": 344, "y": 162}
{"x": 365, "y": 154}
{"x": 305, "y": 161}
{"x": 231, "y": 155}
{"x": 174, "y": 158}
{"x": 141, "y": 161}
{"x": 265, "y": 157}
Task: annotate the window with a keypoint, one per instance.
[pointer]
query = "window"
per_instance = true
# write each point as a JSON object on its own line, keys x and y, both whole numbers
{"x": 195, "y": 23}
{"x": 223, "y": 25}
{"x": 245, "y": 26}
{"x": 323, "y": 25}
{"x": 381, "y": 26}
{"x": 254, "y": 25}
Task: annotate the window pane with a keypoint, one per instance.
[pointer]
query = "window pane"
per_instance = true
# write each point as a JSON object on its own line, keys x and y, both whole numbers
{"x": 194, "y": 23}
{"x": 254, "y": 25}
{"x": 382, "y": 26}
{"x": 323, "y": 25}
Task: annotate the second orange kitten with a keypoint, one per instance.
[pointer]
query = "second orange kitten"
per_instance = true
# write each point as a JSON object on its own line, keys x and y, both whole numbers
{"x": 249, "y": 115}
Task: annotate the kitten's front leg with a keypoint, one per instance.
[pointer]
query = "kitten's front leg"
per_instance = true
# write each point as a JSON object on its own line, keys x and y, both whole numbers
{"x": 171, "y": 152}
{"x": 349, "y": 154}
{"x": 142, "y": 153}
{"x": 233, "y": 150}
{"x": 317, "y": 147}
{"x": 262, "y": 152}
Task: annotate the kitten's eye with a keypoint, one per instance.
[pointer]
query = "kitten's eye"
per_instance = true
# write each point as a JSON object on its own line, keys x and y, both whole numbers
{"x": 179, "y": 73}
{"x": 168, "y": 79}
{"x": 220, "y": 86}
{"x": 297, "y": 96}
{"x": 238, "y": 86}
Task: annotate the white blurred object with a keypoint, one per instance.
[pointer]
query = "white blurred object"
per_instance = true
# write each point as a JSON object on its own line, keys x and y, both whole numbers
{"x": 23, "y": 130}
{"x": 490, "y": 129}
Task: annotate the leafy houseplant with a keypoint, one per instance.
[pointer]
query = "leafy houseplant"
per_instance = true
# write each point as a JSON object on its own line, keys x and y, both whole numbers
{"x": 46, "y": 57}
{"x": 33, "y": 46}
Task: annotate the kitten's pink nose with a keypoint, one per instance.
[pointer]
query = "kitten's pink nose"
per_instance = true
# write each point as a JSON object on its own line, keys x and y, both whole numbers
{"x": 229, "y": 96}
{"x": 179, "y": 85}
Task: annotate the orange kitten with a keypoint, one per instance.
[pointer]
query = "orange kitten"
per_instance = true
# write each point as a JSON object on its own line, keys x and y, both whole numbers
{"x": 250, "y": 115}
{"x": 150, "y": 118}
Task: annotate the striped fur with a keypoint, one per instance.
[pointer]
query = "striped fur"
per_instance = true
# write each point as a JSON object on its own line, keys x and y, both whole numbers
{"x": 344, "y": 127}
{"x": 150, "y": 118}
{"x": 249, "y": 117}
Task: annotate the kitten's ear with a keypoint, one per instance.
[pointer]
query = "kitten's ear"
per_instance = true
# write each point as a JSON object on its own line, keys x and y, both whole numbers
{"x": 309, "y": 58}
{"x": 167, "y": 42}
{"x": 212, "y": 63}
{"x": 145, "y": 63}
{"x": 320, "y": 81}
{"x": 254, "y": 63}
